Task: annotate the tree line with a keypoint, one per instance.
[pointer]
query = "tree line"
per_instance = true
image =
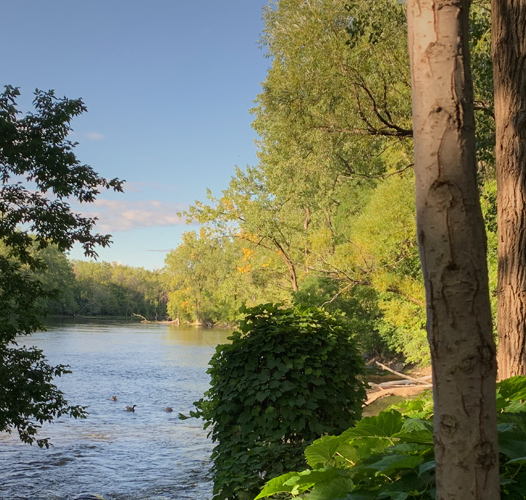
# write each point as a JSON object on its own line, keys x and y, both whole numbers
{"x": 90, "y": 288}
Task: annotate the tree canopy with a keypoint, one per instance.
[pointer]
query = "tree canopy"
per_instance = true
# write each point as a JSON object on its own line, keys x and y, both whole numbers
{"x": 39, "y": 174}
{"x": 332, "y": 195}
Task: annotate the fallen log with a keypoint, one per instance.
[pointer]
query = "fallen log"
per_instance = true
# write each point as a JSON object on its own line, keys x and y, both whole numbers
{"x": 144, "y": 320}
{"x": 401, "y": 375}
{"x": 405, "y": 391}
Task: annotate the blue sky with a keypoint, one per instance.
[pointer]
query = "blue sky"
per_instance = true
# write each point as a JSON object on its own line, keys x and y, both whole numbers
{"x": 168, "y": 85}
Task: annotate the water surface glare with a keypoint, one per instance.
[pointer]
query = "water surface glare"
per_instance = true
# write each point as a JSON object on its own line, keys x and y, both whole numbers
{"x": 146, "y": 455}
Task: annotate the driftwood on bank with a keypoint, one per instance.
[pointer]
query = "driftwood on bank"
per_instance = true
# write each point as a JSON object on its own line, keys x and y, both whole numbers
{"x": 405, "y": 391}
{"x": 408, "y": 386}
{"x": 144, "y": 320}
{"x": 407, "y": 377}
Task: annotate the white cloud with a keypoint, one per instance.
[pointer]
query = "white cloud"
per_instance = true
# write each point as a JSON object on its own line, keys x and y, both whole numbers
{"x": 95, "y": 136}
{"x": 115, "y": 215}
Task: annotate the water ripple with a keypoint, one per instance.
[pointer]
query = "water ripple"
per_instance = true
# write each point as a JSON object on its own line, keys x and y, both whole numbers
{"x": 146, "y": 455}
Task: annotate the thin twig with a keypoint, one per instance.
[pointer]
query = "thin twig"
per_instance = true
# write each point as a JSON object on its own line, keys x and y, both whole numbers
{"x": 338, "y": 294}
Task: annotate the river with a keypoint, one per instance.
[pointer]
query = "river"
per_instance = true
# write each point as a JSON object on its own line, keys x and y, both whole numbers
{"x": 146, "y": 455}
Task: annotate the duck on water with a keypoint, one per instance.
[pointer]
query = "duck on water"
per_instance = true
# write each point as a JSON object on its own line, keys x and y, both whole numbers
{"x": 130, "y": 408}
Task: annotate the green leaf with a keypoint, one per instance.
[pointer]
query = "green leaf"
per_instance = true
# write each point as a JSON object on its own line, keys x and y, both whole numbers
{"x": 513, "y": 388}
{"x": 505, "y": 427}
{"x": 501, "y": 403}
{"x": 387, "y": 423}
{"x": 517, "y": 421}
{"x": 332, "y": 490}
{"x": 361, "y": 495}
{"x": 311, "y": 477}
{"x": 424, "y": 437}
{"x": 515, "y": 407}
{"x": 426, "y": 467}
{"x": 416, "y": 424}
{"x": 512, "y": 444}
{"x": 370, "y": 445}
{"x": 410, "y": 448}
{"x": 395, "y": 495}
{"x": 277, "y": 485}
{"x": 409, "y": 485}
{"x": 322, "y": 450}
{"x": 350, "y": 453}
{"x": 393, "y": 462}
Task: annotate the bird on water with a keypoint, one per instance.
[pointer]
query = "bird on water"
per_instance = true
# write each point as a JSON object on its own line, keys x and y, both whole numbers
{"x": 114, "y": 398}
{"x": 130, "y": 408}
{"x": 168, "y": 409}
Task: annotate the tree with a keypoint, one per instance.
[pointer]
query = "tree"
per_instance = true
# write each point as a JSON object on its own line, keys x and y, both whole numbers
{"x": 38, "y": 174}
{"x": 509, "y": 41}
{"x": 209, "y": 277}
{"x": 335, "y": 124}
{"x": 112, "y": 289}
{"x": 58, "y": 275}
{"x": 248, "y": 210}
{"x": 452, "y": 243}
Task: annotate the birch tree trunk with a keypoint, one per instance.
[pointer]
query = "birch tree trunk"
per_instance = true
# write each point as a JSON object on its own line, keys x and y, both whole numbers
{"x": 452, "y": 246}
{"x": 509, "y": 76}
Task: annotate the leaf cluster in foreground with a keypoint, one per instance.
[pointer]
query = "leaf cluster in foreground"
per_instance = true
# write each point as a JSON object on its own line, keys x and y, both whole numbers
{"x": 391, "y": 455}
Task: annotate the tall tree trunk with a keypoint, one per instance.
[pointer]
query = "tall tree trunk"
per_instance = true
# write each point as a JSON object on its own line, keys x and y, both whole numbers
{"x": 453, "y": 252}
{"x": 509, "y": 75}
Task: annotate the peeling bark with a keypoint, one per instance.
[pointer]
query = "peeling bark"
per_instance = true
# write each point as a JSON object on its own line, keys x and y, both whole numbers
{"x": 453, "y": 252}
{"x": 509, "y": 76}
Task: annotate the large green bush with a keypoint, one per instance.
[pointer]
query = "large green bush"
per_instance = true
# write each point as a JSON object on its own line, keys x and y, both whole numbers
{"x": 288, "y": 377}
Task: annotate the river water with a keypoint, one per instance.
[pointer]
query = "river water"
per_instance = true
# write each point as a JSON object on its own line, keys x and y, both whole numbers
{"x": 146, "y": 455}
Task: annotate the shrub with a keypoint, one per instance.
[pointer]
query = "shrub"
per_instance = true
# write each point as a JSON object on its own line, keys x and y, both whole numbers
{"x": 288, "y": 377}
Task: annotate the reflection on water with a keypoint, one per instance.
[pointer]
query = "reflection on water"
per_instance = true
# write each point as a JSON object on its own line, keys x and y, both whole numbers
{"x": 381, "y": 404}
{"x": 148, "y": 454}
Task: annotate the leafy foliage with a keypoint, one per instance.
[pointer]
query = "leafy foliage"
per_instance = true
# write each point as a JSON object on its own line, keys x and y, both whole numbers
{"x": 38, "y": 173}
{"x": 29, "y": 394}
{"x": 288, "y": 377}
{"x": 331, "y": 198}
{"x": 104, "y": 288}
{"x": 391, "y": 455}
{"x": 209, "y": 277}
{"x": 36, "y": 149}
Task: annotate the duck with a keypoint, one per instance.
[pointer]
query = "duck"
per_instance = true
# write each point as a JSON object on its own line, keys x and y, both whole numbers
{"x": 130, "y": 408}
{"x": 114, "y": 398}
{"x": 168, "y": 409}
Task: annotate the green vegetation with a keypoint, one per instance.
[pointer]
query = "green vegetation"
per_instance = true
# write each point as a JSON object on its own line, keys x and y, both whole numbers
{"x": 80, "y": 288}
{"x": 209, "y": 278}
{"x": 34, "y": 152}
{"x": 105, "y": 289}
{"x": 288, "y": 377}
{"x": 391, "y": 455}
{"x": 327, "y": 217}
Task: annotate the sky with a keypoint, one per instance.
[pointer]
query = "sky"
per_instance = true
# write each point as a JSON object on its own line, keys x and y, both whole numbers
{"x": 168, "y": 85}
